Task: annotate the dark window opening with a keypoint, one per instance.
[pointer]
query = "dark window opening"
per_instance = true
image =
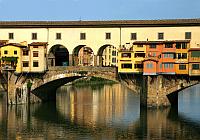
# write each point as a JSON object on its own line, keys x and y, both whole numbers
{"x": 11, "y": 35}
{"x": 182, "y": 67}
{"x": 133, "y": 36}
{"x": 25, "y": 52}
{"x": 178, "y": 45}
{"x": 127, "y": 66}
{"x": 108, "y": 35}
{"x": 82, "y": 36}
{"x": 15, "y": 52}
{"x": 195, "y": 66}
{"x": 188, "y": 35}
{"x": 35, "y": 53}
{"x": 35, "y": 64}
{"x": 25, "y": 64}
{"x": 168, "y": 45}
{"x": 34, "y": 36}
{"x": 5, "y": 52}
{"x": 152, "y": 46}
{"x": 139, "y": 54}
{"x": 160, "y": 35}
{"x": 126, "y": 55}
{"x": 58, "y": 35}
{"x": 140, "y": 66}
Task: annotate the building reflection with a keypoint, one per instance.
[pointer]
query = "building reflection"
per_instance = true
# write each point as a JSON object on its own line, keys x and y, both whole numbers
{"x": 89, "y": 106}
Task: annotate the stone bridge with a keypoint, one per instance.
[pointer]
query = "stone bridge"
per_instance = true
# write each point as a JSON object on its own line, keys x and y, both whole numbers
{"x": 162, "y": 90}
{"x": 155, "y": 91}
{"x": 46, "y": 86}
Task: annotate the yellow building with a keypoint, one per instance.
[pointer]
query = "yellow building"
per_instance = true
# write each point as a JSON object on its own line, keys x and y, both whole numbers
{"x": 20, "y": 58}
{"x": 139, "y": 50}
{"x": 125, "y": 61}
{"x": 194, "y": 61}
{"x": 181, "y": 61}
{"x": 11, "y": 56}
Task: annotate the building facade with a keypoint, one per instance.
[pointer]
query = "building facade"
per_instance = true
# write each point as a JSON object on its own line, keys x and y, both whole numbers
{"x": 69, "y": 37}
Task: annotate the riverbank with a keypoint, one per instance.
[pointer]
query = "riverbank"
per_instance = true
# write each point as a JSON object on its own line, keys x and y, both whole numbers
{"x": 92, "y": 81}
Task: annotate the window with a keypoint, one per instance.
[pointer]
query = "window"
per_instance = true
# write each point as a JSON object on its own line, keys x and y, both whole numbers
{"x": 160, "y": 35}
{"x": 166, "y": 66}
{"x": 133, "y": 36}
{"x": 139, "y": 55}
{"x": 182, "y": 67}
{"x": 171, "y": 66}
{"x": 195, "y": 66}
{"x": 149, "y": 65}
{"x": 195, "y": 53}
{"x": 179, "y": 55}
{"x": 152, "y": 46}
{"x": 5, "y": 52}
{"x": 58, "y": 35}
{"x": 35, "y": 64}
{"x": 168, "y": 45}
{"x": 35, "y": 47}
{"x": 108, "y": 35}
{"x": 25, "y": 52}
{"x": 35, "y": 53}
{"x": 126, "y": 55}
{"x": 15, "y": 52}
{"x": 184, "y": 45}
{"x": 178, "y": 45}
{"x": 127, "y": 66}
{"x": 113, "y": 60}
{"x": 82, "y": 36}
{"x": 113, "y": 53}
{"x": 11, "y": 35}
{"x": 184, "y": 55}
{"x": 188, "y": 35}
{"x": 25, "y": 64}
{"x": 139, "y": 66}
{"x": 161, "y": 66}
{"x": 140, "y": 46}
{"x": 34, "y": 36}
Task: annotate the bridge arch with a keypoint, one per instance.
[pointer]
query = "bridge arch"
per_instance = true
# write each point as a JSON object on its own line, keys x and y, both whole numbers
{"x": 58, "y": 55}
{"x": 107, "y": 55}
{"x": 83, "y": 56}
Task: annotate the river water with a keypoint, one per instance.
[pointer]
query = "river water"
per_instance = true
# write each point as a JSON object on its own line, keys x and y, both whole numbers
{"x": 102, "y": 112}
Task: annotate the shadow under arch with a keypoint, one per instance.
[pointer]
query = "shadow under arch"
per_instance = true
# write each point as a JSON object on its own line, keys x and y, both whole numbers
{"x": 83, "y": 55}
{"x": 100, "y": 55}
{"x": 58, "y": 55}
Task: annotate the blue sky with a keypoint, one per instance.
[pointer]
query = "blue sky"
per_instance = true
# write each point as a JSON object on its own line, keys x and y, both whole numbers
{"x": 98, "y": 9}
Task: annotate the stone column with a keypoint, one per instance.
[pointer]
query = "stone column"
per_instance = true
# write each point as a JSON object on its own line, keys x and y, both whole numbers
{"x": 70, "y": 59}
{"x": 11, "y": 88}
{"x": 153, "y": 92}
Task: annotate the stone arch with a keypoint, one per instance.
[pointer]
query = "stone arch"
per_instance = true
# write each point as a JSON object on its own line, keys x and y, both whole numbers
{"x": 58, "y": 55}
{"x": 83, "y": 55}
{"x": 107, "y": 57}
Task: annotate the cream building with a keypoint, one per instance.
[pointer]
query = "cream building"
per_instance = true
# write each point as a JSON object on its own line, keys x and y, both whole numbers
{"x": 98, "y": 35}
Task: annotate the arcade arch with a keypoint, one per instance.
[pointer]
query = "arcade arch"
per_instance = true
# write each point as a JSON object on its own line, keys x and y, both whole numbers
{"x": 58, "y": 56}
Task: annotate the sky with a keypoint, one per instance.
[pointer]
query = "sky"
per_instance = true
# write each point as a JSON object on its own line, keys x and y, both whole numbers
{"x": 98, "y": 9}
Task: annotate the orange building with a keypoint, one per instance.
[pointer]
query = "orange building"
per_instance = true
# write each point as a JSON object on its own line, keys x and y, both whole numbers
{"x": 194, "y": 61}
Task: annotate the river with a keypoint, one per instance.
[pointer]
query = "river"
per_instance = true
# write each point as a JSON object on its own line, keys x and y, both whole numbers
{"x": 102, "y": 112}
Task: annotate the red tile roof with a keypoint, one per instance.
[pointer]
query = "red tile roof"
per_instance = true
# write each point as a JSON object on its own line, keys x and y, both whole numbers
{"x": 38, "y": 44}
{"x": 111, "y": 23}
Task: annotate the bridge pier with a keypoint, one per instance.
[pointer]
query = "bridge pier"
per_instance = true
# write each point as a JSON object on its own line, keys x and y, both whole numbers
{"x": 18, "y": 92}
{"x": 152, "y": 94}
{"x": 162, "y": 90}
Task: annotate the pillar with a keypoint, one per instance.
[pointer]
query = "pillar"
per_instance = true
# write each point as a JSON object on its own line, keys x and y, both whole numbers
{"x": 70, "y": 59}
{"x": 153, "y": 92}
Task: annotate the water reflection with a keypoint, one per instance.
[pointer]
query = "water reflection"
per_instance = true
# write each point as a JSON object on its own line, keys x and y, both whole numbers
{"x": 100, "y": 112}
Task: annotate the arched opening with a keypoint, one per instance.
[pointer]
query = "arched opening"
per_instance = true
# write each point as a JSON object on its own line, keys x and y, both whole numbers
{"x": 58, "y": 56}
{"x": 83, "y": 56}
{"x": 107, "y": 55}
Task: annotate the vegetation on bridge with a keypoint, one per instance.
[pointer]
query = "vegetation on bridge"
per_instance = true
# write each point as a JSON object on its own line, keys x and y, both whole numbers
{"x": 92, "y": 81}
